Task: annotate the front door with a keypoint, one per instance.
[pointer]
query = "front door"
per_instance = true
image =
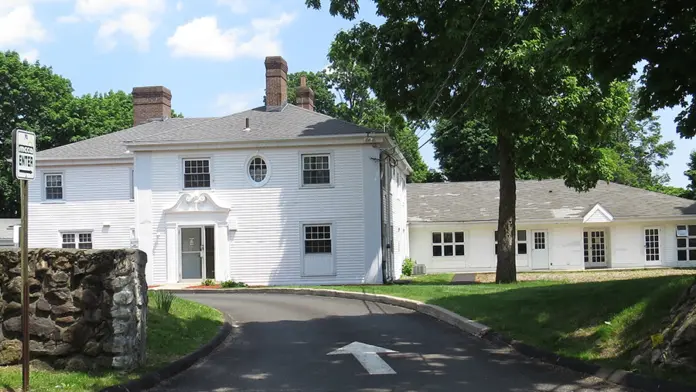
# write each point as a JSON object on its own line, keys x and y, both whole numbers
{"x": 651, "y": 242}
{"x": 192, "y": 252}
{"x": 540, "y": 251}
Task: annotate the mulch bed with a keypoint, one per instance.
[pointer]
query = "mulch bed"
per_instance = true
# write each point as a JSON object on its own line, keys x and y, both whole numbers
{"x": 216, "y": 286}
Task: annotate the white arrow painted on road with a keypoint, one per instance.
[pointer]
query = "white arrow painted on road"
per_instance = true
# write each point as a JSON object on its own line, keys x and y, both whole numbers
{"x": 366, "y": 354}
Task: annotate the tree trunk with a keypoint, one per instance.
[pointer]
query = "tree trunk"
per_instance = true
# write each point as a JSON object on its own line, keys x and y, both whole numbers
{"x": 506, "y": 271}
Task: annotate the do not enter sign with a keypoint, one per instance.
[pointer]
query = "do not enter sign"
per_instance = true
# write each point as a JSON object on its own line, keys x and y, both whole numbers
{"x": 24, "y": 154}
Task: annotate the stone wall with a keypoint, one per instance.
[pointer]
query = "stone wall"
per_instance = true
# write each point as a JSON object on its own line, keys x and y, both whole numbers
{"x": 674, "y": 348}
{"x": 88, "y": 308}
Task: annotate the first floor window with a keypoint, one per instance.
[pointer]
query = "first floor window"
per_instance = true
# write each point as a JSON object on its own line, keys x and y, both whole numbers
{"x": 196, "y": 173}
{"x": 316, "y": 170}
{"x": 54, "y": 186}
{"x": 448, "y": 243}
{"x": 77, "y": 240}
{"x": 686, "y": 243}
{"x": 521, "y": 242}
{"x": 317, "y": 239}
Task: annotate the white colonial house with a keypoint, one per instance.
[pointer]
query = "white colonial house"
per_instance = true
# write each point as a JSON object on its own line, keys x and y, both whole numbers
{"x": 279, "y": 194}
{"x": 452, "y": 227}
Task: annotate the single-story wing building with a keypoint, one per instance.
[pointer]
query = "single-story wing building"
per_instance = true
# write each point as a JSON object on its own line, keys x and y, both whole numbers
{"x": 452, "y": 227}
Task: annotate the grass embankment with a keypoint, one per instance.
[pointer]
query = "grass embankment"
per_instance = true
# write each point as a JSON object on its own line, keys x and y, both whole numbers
{"x": 601, "y": 321}
{"x": 188, "y": 326}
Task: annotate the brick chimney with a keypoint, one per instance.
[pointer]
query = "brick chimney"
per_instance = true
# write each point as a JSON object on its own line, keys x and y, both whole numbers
{"x": 151, "y": 103}
{"x": 305, "y": 95}
{"x": 276, "y": 83}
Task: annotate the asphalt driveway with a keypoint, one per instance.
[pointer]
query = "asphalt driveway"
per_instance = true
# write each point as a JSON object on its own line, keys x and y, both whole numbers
{"x": 282, "y": 342}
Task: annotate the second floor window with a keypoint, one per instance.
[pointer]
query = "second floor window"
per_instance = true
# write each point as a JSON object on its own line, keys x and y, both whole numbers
{"x": 196, "y": 173}
{"x": 54, "y": 186}
{"x": 316, "y": 170}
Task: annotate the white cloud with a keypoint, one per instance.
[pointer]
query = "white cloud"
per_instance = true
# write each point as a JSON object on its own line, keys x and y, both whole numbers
{"x": 134, "y": 24}
{"x": 109, "y": 7}
{"x": 30, "y": 55}
{"x": 236, "y": 6}
{"x": 135, "y": 19}
{"x": 19, "y": 24}
{"x": 203, "y": 38}
{"x": 180, "y": 6}
{"x": 68, "y": 19}
{"x": 230, "y": 103}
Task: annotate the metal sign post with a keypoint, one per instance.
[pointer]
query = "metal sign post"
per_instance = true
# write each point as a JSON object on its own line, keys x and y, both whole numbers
{"x": 24, "y": 169}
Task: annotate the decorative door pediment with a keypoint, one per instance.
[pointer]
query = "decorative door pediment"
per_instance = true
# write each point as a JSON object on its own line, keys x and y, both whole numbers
{"x": 196, "y": 202}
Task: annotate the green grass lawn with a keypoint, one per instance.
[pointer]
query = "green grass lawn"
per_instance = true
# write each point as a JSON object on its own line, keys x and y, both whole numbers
{"x": 601, "y": 322}
{"x": 169, "y": 336}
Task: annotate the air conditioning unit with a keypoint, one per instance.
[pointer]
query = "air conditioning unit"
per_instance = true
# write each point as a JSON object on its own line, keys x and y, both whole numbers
{"x": 419, "y": 269}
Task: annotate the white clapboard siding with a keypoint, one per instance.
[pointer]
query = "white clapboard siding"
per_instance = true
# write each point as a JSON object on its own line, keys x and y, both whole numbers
{"x": 624, "y": 240}
{"x": 598, "y": 216}
{"x": 399, "y": 219}
{"x": 92, "y": 197}
{"x": 267, "y": 248}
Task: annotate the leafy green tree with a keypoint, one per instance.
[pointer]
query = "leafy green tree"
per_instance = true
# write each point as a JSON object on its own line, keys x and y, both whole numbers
{"x": 32, "y": 97}
{"x": 488, "y": 61}
{"x": 357, "y": 106}
{"x": 690, "y": 173}
{"x": 670, "y": 190}
{"x": 101, "y": 113}
{"x": 636, "y": 150}
{"x": 467, "y": 152}
{"x": 635, "y": 154}
{"x": 435, "y": 176}
{"x": 612, "y": 37}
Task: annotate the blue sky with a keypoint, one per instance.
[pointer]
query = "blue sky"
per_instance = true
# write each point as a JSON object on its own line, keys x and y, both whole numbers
{"x": 208, "y": 52}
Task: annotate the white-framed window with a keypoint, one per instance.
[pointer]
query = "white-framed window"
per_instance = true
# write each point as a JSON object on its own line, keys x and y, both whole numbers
{"x": 521, "y": 242}
{"x": 651, "y": 238}
{"x": 53, "y": 186}
{"x": 317, "y": 239}
{"x": 258, "y": 170}
{"x": 316, "y": 169}
{"x": 539, "y": 240}
{"x": 77, "y": 240}
{"x": 196, "y": 173}
{"x": 686, "y": 243}
{"x": 448, "y": 243}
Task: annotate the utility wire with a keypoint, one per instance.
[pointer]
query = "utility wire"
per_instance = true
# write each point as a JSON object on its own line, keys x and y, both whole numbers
{"x": 512, "y": 36}
{"x": 454, "y": 66}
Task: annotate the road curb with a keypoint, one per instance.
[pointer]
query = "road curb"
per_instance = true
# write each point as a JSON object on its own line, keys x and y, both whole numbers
{"x": 616, "y": 376}
{"x": 153, "y": 378}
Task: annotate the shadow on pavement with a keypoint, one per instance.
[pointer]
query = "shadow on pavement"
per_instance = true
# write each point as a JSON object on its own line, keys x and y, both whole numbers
{"x": 290, "y": 355}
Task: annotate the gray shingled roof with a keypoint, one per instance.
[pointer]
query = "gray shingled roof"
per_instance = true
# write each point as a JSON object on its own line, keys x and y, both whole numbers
{"x": 290, "y": 123}
{"x": 111, "y": 145}
{"x": 477, "y": 201}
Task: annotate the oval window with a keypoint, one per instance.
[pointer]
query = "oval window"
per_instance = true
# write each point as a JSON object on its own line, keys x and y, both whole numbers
{"x": 258, "y": 169}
